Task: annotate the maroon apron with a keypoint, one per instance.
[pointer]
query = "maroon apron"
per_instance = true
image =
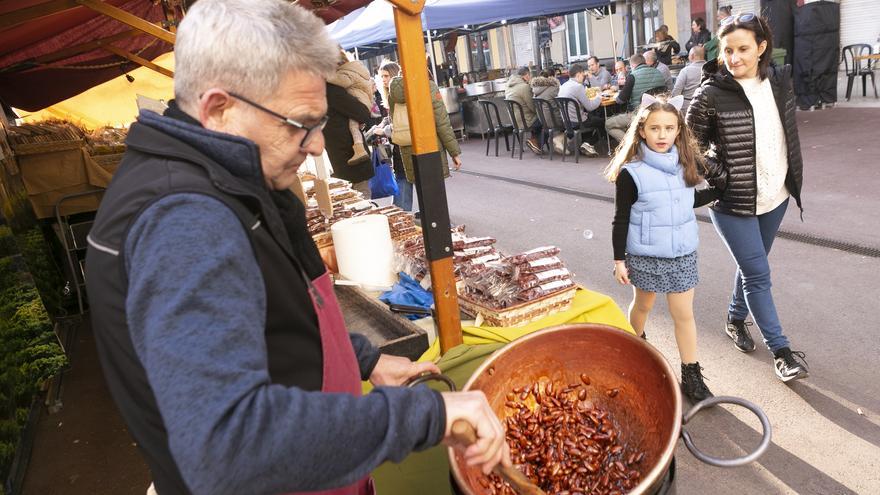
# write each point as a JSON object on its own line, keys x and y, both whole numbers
{"x": 341, "y": 370}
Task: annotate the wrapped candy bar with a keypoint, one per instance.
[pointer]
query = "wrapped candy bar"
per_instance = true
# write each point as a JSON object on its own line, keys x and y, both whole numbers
{"x": 460, "y": 243}
{"x": 529, "y": 280}
{"x": 471, "y": 253}
{"x": 534, "y": 254}
{"x": 539, "y": 265}
{"x": 545, "y": 289}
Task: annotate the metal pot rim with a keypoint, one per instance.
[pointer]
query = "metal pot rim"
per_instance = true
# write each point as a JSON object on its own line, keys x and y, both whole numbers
{"x": 660, "y": 468}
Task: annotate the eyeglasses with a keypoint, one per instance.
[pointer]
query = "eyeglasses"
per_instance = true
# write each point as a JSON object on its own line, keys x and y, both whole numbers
{"x": 747, "y": 17}
{"x": 311, "y": 130}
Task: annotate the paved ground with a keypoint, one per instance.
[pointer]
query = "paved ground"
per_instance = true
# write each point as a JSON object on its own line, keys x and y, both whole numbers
{"x": 821, "y": 444}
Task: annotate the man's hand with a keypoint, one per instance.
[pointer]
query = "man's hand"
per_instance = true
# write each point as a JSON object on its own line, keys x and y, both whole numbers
{"x": 490, "y": 447}
{"x": 395, "y": 370}
{"x": 456, "y": 162}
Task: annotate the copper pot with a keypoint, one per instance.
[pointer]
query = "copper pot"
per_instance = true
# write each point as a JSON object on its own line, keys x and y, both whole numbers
{"x": 648, "y": 407}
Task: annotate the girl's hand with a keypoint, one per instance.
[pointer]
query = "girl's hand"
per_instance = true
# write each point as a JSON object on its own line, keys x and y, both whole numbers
{"x": 621, "y": 274}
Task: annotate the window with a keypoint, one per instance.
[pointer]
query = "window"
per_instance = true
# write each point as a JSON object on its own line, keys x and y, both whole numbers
{"x": 578, "y": 36}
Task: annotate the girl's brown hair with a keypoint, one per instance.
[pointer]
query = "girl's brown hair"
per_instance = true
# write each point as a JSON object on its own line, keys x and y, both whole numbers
{"x": 760, "y": 29}
{"x": 689, "y": 157}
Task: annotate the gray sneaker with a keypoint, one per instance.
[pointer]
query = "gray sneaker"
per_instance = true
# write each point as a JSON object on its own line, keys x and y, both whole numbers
{"x": 738, "y": 332}
{"x": 790, "y": 365}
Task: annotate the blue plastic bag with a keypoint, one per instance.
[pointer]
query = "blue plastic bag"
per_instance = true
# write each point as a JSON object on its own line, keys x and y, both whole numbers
{"x": 408, "y": 292}
{"x": 383, "y": 183}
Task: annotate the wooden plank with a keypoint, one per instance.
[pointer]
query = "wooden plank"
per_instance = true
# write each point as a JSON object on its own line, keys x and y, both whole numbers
{"x": 424, "y": 138}
{"x": 130, "y": 19}
{"x": 21, "y": 16}
{"x": 86, "y": 47}
{"x": 139, "y": 60}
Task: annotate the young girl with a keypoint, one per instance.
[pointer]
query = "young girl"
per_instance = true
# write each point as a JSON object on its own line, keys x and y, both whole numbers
{"x": 655, "y": 229}
{"x": 355, "y": 79}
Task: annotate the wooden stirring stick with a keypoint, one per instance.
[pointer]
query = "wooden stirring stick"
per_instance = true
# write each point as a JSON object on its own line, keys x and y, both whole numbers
{"x": 464, "y": 433}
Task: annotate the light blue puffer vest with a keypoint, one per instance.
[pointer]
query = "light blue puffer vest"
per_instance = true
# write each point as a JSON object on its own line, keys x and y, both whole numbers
{"x": 662, "y": 223}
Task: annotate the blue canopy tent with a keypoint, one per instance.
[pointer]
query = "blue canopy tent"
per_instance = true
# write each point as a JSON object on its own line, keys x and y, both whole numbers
{"x": 375, "y": 22}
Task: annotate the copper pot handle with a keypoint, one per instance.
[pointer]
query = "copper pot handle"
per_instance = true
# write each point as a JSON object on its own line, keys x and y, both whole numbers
{"x": 427, "y": 377}
{"x": 736, "y": 461}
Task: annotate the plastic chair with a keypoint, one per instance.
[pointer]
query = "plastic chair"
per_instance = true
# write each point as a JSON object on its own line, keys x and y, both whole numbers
{"x": 572, "y": 129}
{"x": 519, "y": 131}
{"x": 856, "y": 68}
{"x": 496, "y": 128}
{"x": 548, "y": 115}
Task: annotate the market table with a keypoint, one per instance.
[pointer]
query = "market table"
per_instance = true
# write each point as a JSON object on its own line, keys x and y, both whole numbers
{"x": 608, "y": 101}
{"x": 427, "y": 473}
{"x": 873, "y": 56}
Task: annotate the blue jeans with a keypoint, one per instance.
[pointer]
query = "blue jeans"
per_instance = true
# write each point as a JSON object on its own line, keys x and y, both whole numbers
{"x": 749, "y": 240}
{"x": 404, "y": 198}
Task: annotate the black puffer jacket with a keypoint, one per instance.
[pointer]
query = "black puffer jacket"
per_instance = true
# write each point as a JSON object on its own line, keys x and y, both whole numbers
{"x": 721, "y": 119}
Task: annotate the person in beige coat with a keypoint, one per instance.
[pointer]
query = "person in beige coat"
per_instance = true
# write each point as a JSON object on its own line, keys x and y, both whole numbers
{"x": 446, "y": 141}
{"x": 353, "y": 76}
{"x": 519, "y": 90}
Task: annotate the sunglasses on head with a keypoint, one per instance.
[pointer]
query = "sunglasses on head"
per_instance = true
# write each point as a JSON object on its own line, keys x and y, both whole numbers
{"x": 747, "y": 17}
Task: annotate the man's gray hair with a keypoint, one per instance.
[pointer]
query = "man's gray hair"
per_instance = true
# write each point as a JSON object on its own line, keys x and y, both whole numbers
{"x": 248, "y": 46}
{"x": 522, "y": 71}
{"x": 650, "y": 55}
{"x": 636, "y": 60}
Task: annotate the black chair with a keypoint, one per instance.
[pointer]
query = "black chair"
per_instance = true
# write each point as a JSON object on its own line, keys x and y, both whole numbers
{"x": 551, "y": 123}
{"x": 496, "y": 128}
{"x": 856, "y": 68}
{"x": 574, "y": 130}
{"x": 517, "y": 115}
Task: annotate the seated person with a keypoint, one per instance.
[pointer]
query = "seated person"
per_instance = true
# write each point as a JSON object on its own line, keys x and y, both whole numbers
{"x": 574, "y": 89}
{"x": 519, "y": 90}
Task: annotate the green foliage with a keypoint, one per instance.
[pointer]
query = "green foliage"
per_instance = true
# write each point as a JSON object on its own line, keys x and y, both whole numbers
{"x": 29, "y": 351}
{"x": 41, "y": 266}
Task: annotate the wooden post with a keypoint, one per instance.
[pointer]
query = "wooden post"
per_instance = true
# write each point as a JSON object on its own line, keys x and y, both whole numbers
{"x": 129, "y": 18}
{"x": 411, "y": 48}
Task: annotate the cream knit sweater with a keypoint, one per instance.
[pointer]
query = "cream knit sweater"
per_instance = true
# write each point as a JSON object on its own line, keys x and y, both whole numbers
{"x": 771, "y": 151}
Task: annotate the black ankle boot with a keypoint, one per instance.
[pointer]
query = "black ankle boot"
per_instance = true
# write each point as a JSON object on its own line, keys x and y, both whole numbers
{"x": 692, "y": 385}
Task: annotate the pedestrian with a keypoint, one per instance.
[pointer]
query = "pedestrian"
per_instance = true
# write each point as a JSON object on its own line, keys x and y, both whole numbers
{"x": 700, "y": 35}
{"x": 446, "y": 142}
{"x": 745, "y": 111}
{"x": 354, "y": 78}
{"x": 689, "y": 78}
{"x": 655, "y": 234}
{"x": 519, "y": 91}
{"x": 388, "y": 70}
{"x": 711, "y": 46}
{"x": 216, "y": 325}
{"x": 642, "y": 79}
{"x": 574, "y": 89}
{"x": 598, "y": 76}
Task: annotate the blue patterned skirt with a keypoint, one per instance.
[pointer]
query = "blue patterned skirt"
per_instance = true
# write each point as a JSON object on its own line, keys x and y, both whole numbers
{"x": 663, "y": 275}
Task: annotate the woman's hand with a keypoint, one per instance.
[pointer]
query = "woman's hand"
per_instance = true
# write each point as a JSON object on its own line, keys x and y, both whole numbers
{"x": 621, "y": 274}
{"x": 456, "y": 162}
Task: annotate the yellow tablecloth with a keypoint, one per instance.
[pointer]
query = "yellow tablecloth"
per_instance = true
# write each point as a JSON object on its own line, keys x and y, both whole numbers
{"x": 587, "y": 307}
{"x": 427, "y": 473}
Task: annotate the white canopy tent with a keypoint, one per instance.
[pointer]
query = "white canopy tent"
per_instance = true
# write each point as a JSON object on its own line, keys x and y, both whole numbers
{"x": 375, "y": 22}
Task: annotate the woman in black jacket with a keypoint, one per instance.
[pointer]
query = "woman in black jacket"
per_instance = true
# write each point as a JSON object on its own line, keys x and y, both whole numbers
{"x": 342, "y": 107}
{"x": 700, "y": 35}
{"x": 744, "y": 111}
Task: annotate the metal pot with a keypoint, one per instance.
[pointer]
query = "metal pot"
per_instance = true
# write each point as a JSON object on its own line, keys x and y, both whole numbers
{"x": 478, "y": 88}
{"x": 450, "y": 99}
{"x": 648, "y": 407}
{"x": 499, "y": 84}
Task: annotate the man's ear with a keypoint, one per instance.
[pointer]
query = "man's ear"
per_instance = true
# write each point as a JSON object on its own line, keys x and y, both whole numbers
{"x": 213, "y": 107}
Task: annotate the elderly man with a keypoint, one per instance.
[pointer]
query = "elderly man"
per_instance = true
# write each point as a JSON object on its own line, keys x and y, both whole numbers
{"x": 574, "y": 89}
{"x": 216, "y": 324}
{"x": 599, "y": 77}
{"x": 643, "y": 78}
{"x": 688, "y": 79}
{"x": 651, "y": 60}
{"x": 519, "y": 90}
